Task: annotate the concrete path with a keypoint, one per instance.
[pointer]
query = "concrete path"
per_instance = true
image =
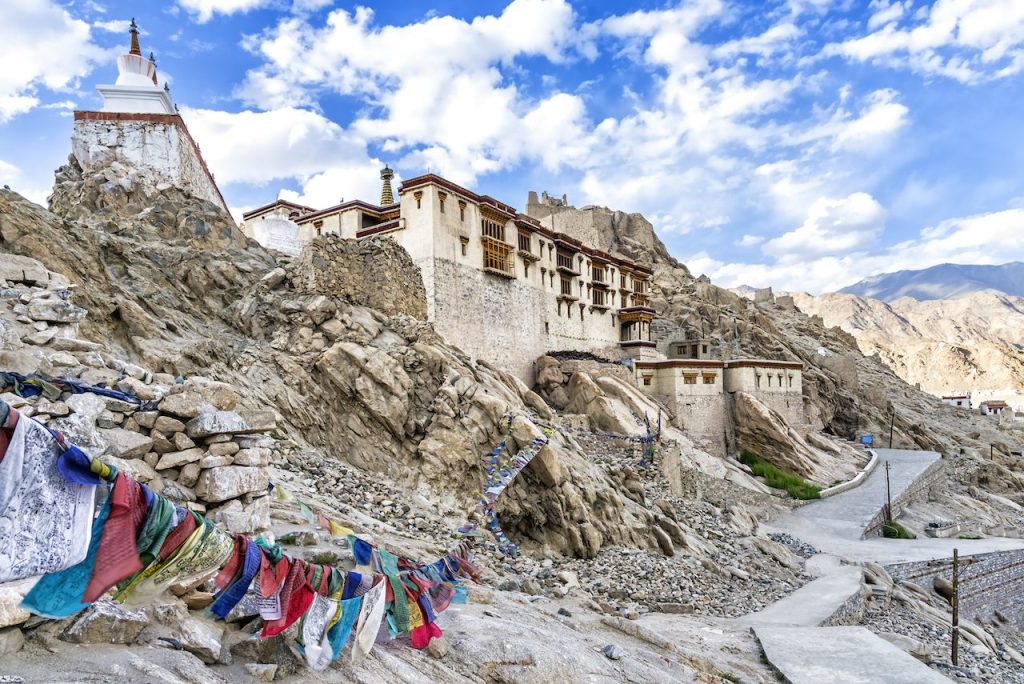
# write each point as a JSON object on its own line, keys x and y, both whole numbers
{"x": 816, "y": 601}
{"x": 835, "y": 525}
{"x": 841, "y": 655}
{"x": 788, "y": 629}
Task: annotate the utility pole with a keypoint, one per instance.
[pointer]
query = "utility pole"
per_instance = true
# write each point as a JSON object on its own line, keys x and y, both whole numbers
{"x": 955, "y": 655}
{"x": 892, "y": 421}
{"x": 888, "y": 496}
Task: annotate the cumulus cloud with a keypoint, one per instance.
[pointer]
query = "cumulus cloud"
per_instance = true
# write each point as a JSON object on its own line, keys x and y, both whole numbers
{"x": 967, "y": 40}
{"x": 833, "y": 226}
{"x": 438, "y": 89}
{"x": 43, "y": 46}
{"x": 286, "y": 144}
{"x": 989, "y": 238}
{"x": 203, "y": 10}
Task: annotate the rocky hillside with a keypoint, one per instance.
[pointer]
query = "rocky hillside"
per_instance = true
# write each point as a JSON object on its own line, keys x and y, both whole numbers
{"x": 972, "y": 342}
{"x": 629, "y": 568}
{"x": 944, "y": 281}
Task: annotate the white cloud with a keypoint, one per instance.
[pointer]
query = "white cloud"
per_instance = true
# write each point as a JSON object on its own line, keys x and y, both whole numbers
{"x": 8, "y": 172}
{"x": 203, "y": 10}
{"x": 710, "y": 139}
{"x": 43, "y": 46}
{"x": 286, "y": 144}
{"x": 967, "y": 40}
{"x": 750, "y": 240}
{"x": 113, "y": 25}
{"x": 438, "y": 89}
{"x": 833, "y": 226}
{"x": 990, "y": 238}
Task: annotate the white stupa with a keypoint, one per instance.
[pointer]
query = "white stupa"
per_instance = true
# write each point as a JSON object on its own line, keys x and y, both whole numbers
{"x": 136, "y": 89}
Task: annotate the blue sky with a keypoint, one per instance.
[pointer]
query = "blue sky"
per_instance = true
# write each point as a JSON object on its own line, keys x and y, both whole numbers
{"x": 802, "y": 144}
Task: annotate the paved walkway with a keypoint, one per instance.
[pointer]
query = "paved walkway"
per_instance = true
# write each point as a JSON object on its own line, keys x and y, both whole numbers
{"x": 835, "y": 525}
{"x": 841, "y": 655}
{"x": 816, "y": 601}
{"x": 788, "y": 629}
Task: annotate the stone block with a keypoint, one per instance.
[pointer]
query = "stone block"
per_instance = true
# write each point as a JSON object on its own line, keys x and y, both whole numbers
{"x": 195, "y": 396}
{"x": 11, "y": 612}
{"x": 161, "y": 444}
{"x": 182, "y": 441}
{"x": 168, "y": 425}
{"x": 215, "y": 461}
{"x": 189, "y": 474}
{"x": 119, "y": 405}
{"x": 55, "y": 311}
{"x": 125, "y": 443}
{"x": 15, "y": 268}
{"x": 223, "y": 449}
{"x": 106, "y": 622}
{"x": 251, "y": 457}
{"x": 243, "y": 519}
{"x": 231, "y": 422}
{"x": 58, "y": 409}
{"x": 176, "y": 459}
{"x": 11, "y": 641}
{"x": 229, "y": 482}
{"x": 146, "y": 418}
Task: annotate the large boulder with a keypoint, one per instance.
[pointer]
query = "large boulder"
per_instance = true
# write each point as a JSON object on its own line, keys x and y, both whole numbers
{"x": 196, "y": 396}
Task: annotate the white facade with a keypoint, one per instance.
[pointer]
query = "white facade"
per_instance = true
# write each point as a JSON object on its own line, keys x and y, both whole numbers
{"x": 696, "y": 391}
{"x": 499, "y": 284}
{"x": 158, "y": 146}
{"x": 958, "y": 400}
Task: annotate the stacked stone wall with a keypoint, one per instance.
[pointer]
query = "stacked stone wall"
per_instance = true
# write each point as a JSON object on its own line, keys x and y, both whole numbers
{"x": 989, "y": 583}
{"x": 705, "y": 420}
{"x": 375, "y": 272}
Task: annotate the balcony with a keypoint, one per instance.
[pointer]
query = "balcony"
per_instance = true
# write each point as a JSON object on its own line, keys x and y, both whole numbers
{"x": 567, "y": 264}
{"x": 498, "y": 257}
{"x": 598, "y": 278}
{"x": 526, "y": 248}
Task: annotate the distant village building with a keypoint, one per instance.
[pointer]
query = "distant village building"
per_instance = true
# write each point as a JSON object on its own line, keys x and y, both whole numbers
{"x": 958, "y": 400}
{"x": 500, "y": 285}
{"x": 993, "y": 407}
{"x": 140, "y": 126}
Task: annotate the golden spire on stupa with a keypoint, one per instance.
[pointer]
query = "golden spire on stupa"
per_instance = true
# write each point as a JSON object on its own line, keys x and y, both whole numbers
{"x": 386, "y": 195}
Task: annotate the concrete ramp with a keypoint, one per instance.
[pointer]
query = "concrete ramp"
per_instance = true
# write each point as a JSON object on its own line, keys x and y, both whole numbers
{"x": 813, "y": 603}
{"x": 840, "y": 655}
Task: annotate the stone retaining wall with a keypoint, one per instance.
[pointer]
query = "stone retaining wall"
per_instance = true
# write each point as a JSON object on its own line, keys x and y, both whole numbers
{"x": 928, "y": 479}
{"x": 989, "y": 582}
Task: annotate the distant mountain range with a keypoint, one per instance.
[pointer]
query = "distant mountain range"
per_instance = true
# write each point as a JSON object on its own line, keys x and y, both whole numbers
{"x": 945, "y": 281}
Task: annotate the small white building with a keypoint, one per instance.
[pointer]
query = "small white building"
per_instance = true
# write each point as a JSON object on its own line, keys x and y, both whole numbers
{"x": 958, "y": 400}
{"x": 993, "y": 407}
{"x": 696, "y": 390}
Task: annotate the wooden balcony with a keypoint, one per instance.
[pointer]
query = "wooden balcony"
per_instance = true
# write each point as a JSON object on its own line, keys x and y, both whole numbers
{"x": 498, "y": 257}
